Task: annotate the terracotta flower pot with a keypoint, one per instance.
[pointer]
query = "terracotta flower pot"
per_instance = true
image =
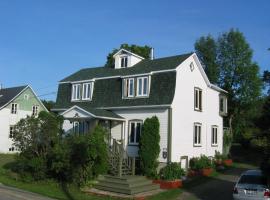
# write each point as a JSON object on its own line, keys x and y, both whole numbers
{"x": 169, "y": 184}
{"x": 228, "y": 162}
{"x": 206, "y": 171}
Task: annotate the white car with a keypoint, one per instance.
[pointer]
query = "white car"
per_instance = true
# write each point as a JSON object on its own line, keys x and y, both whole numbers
{"x": 251, "y": 185}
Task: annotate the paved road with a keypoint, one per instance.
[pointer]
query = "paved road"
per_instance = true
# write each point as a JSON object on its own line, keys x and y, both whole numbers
{"x": 9, "y": 193}
{"x": 219, "y": 188}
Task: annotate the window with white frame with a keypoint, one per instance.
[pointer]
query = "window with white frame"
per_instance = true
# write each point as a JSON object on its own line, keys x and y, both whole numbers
{"x": 223, "y": 104}
{"x": 76, "y": 92}
{"x": 124, "y": 61}
{"x": 142, "y": 86}
{"x": 214, "y": 135}
{"x": 87, "y": 91}
{"x": 197, "y": 134}
{"x": 128, "y": 89}
{"x": 14, "y": 108}
{"x": 35, "y": 110}
{"x": 198, "y": 99}
{"x": 135, "y": 128}
{"x": 11, "y": 131}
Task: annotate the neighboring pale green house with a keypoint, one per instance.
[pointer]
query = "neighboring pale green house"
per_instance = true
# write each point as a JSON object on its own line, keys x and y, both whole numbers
{"x": 16, "y": 103}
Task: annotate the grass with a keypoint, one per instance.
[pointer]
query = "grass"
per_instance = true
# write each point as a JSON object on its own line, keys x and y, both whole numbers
{"x": 168, "y": 195}
{"x": 52, "y": 189}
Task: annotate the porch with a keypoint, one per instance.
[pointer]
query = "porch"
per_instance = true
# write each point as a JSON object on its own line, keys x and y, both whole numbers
{"x": 79, "y": 120}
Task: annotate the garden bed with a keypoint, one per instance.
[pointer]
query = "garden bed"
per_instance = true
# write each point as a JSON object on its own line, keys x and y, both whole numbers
{"x": 169, "y": 184}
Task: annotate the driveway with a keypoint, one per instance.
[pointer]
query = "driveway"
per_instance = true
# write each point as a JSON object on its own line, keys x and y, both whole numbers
{"x": 220, "y": 187}
{"x": 9, "y": 193}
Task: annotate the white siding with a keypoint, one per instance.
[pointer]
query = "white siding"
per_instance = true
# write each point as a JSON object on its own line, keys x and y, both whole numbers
{"x": 132, "y": 60}
{"x": 116, "y": 130}
{"x": 142, "y": 114}
{"x": 184, "y": 115}
{"x": 6, "y": 120}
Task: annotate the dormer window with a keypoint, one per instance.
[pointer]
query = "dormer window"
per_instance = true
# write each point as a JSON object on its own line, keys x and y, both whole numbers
{"x": 128, "y": 89}
{"x": 76, "y": 92}
{"x": 124, "y": 62}
{"x": 124, "y": 59}
{"x": 87, "y": 91}
{"x": 142, "y": 86}
{"x": 136, "y": 87}
{"x": 82, "y": 91}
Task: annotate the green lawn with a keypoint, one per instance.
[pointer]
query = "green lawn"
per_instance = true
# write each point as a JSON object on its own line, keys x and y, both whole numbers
{"x": 52, "y": 189}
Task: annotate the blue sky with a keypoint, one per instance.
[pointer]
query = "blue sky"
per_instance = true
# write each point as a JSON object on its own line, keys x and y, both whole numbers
{"x": 41, "y": 42}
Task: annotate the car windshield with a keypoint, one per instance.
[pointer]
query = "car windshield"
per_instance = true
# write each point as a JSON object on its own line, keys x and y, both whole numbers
{"x": 252, "y": 179}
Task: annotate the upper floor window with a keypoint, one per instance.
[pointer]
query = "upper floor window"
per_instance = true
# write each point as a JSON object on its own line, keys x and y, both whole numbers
{"x": 135, "y": 128}
{"x": 76, "y": 92}
{"x": 35, "y": 110}
{"x": 142, "y": 86}
{"x": 124, "y": 61}
{"x": 198, "y": 99}
{"x": 87, "y": 91}
{"x": 197, "y": 134}
{"x": 128, "y": 89}
{"x": 223, "y": 105}
{"x": 14, "y": 108}
{"x": 214, "y": 139}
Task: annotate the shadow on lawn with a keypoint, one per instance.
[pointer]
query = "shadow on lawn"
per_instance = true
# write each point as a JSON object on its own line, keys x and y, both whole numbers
{"x": 65, "y": 189}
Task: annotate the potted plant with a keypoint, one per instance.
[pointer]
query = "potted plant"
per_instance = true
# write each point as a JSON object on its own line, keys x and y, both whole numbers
{"x": 203, "y": 164}
{"x": 222, "y": 160}
{"x": 170, "y": 176}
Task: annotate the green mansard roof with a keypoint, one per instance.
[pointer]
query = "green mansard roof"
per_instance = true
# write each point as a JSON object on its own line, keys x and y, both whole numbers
{"x": 145, "y": 66}
{"x": 108, "y": 92}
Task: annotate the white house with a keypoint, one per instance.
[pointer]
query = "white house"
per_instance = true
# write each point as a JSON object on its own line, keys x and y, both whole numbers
{"x": 15, "y": 103}
{"x": 175, "y": 89}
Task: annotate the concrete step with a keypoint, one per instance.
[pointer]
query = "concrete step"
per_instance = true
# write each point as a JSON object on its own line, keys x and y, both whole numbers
{"x": 125, "y": 184}
{"x": 128, "y": 190}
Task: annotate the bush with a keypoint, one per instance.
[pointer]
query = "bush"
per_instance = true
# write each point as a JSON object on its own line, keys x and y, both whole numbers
{"x": 80, "y": 157}
{"x": 149, "y": 147}
{"x": 171, "y": 172}
{"x": 220, "y": 157}
{"x": 202, "y": 162}
{"x": 44, "y": 153}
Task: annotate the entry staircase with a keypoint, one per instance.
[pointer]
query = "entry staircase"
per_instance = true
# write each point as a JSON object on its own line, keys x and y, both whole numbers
{"x": 122, "y": 178}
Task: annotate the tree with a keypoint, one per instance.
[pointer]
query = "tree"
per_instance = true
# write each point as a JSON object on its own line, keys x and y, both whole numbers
{"x": 237, "y": 74}
{"x": 34, "y": 138}
{"x": 266, "y": 80}
{"x": 149, "y": 146}
{"x": 143, "y": 51}
{"x": 206, "y": 49}
{"x": 262, "y": 139}
{"x": 48, "y": 104}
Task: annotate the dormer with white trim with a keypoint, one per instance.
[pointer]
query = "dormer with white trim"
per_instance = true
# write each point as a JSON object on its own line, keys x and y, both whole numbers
{"x": 124, "y": 58}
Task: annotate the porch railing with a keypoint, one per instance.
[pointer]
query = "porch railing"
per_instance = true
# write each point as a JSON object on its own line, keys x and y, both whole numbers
{"x": 120, "y": 163}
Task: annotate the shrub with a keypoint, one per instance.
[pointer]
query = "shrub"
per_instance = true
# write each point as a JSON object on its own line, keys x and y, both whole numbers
{"x": 171, "y": 172}
{"x": 219, "y": 156}
{"x": 202, "y": 162}
{"x": 149, "y": 146}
